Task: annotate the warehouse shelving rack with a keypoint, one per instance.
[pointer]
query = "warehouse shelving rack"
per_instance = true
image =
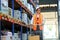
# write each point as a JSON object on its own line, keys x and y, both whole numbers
{"x": 15, "y": 4}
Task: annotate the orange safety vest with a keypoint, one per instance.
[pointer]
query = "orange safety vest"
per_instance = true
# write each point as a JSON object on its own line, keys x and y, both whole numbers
{"x": 39, "y": 21}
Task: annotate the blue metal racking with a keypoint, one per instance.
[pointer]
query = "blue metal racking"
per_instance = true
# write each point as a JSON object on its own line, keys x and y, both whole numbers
{"x": 13, "y": 26}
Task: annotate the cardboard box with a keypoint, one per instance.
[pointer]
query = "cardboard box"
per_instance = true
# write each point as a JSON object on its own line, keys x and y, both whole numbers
{"x": 36, "y": 37}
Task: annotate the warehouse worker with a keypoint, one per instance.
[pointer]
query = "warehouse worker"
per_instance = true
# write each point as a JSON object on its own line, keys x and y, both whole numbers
{"x": 37, "y": 22}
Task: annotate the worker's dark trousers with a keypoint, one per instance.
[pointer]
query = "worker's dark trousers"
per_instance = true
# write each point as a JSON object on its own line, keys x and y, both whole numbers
{"x": 38, "y": 32}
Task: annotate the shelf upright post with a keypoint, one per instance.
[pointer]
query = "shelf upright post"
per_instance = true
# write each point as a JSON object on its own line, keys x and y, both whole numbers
{"x": 27, "y": 30}
{"x": 30, "y": 27}
{"x": 27, "y": 33}
{"x": 21, "y": 20}
{"x": 0, "y": 20}
{"x": 13, "y": 17}
{"x": 21, "y": 32}
{"x": 0, "y": 27}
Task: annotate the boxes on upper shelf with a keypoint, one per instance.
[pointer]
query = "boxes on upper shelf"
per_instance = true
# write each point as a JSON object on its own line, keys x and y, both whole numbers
{"x": 24, "y": 18}
{"x": 4, "y": 6}
{"x": 10, "y": 12}
{"x": 32, "y": 9}
{"x": 24, "y": 2}
{"x": 29, "y": 6}
{"x": 29, "y": 21}
{"x": 17, "y": 14}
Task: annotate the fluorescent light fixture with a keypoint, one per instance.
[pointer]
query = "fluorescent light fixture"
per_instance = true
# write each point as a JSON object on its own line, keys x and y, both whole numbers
{"x": 48, "y": 5}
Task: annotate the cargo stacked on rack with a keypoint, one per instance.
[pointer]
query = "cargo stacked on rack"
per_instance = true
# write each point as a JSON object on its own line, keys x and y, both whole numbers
{"x": 24, "y": 2}
{"x": 30, "y": 7}
{"x": 10, "y": 12}
{"x": 17, "y": 14}
{"x": 16, "y": 36}
{"x": 24, "y": 36}
{"x": 24, "y": 17}
{"x": 4, "y": 6}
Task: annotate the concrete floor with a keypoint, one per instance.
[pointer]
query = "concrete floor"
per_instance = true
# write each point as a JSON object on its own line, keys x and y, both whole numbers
{"x": 51, "y": 39}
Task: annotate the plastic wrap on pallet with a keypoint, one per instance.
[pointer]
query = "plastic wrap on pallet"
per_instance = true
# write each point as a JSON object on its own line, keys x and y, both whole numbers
{"x": 16, "y": 36}
{"x": 24, "y": 36}
{"x": 24, "y": 2}
{"x": 17, "y": 14}
{"x": 8, "y": 35}
{"x": 24, "y": 18}
{"x": 36, "y": 1}
{"x": 32, "y": 9}
{"x": 28, "y": 6}
{"x": 29, "y": 21}
{"x": 4, "y": 6}
{"x": 5, "y": 38}
{"x": 10, "y": 12}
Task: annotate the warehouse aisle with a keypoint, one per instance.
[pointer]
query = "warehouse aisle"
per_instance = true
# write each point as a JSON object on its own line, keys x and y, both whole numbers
{"x": 16, "y": 16}
{"x": 51, "y": 39}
